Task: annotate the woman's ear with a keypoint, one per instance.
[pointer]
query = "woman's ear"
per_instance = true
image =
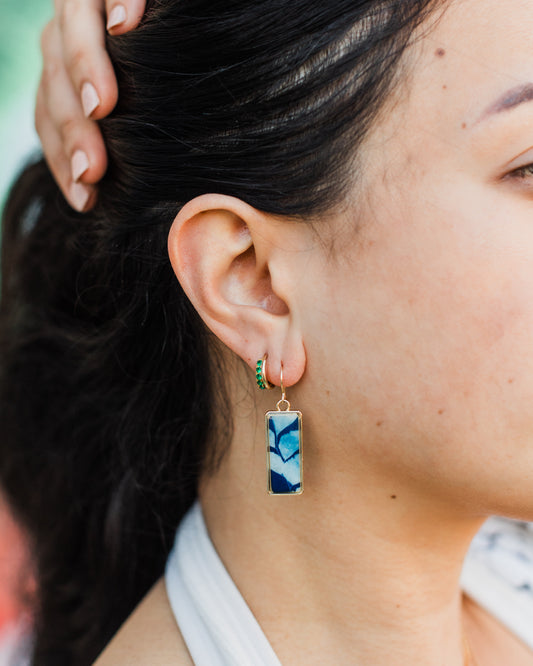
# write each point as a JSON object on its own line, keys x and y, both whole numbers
{"x": 231, "y": 262}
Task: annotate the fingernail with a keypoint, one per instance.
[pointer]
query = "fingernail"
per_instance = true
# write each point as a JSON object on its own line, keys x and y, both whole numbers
{"x": 79, "y": 195}
{"x": 117, "y": 16}
{"x": 79, "y": 164}
{"x": 89, "y": 98}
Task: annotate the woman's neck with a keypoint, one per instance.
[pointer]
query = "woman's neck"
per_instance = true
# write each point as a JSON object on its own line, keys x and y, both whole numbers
{"x": 347, "y": 572}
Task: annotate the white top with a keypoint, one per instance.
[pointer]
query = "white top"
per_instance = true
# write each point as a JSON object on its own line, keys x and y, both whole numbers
{"x": 219, "y": 628}
{"x": 216, "y": 624}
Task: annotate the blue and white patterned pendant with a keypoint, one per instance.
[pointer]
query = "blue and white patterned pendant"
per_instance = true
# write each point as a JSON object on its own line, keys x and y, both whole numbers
{"x": 284, "y": 452}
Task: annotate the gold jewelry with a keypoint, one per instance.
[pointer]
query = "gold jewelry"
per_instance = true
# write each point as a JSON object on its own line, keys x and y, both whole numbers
{"x": 284, "y": 447}
{"x": 469, "y": 659}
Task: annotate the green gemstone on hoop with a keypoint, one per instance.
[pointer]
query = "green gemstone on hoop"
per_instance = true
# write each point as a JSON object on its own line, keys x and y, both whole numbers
{"x": 261, "y": 380}
{"x": 258, "y": 374}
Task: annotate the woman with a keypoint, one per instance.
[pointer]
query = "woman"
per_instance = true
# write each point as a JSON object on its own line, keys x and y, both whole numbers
{"x": 345, "y": 196}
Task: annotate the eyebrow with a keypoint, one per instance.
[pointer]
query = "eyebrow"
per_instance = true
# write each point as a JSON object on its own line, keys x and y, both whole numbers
{"x": 511, "y": 99}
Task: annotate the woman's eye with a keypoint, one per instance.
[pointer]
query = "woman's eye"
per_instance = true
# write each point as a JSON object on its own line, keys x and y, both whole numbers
{"x": 523, "y": 172}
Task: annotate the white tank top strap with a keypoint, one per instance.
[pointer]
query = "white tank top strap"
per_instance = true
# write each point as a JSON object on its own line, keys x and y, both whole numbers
{"x": 219, "y": 628}
{"x": 498, "y": 574}
{"x": 217, "y": 625}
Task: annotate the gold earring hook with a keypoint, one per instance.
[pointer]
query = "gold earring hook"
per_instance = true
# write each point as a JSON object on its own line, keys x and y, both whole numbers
{"x": 283, "y": 400}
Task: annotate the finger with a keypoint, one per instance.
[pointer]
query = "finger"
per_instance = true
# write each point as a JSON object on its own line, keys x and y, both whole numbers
{"x": 81, "y": 138}
{"x": 82, "y": 31}
{"x": 80, "y": 197}
{"x": 123, "y": 15}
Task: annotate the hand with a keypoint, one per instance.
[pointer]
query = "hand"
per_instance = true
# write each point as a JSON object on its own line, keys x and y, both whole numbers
{"x": 78, "y": 86}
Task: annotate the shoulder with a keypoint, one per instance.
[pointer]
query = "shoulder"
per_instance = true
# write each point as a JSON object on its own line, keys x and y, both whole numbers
{"x": 149, "y": 637}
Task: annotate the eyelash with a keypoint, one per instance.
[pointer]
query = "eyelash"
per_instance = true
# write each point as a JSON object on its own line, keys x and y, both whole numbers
{"x": 523, "y": 172}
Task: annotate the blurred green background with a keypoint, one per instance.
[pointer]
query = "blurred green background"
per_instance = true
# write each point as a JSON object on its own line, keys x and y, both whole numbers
{"x": 21, "y": 22}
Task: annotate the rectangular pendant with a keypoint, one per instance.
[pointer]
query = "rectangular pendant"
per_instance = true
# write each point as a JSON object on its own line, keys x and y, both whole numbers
{"x": 284, "y": 452}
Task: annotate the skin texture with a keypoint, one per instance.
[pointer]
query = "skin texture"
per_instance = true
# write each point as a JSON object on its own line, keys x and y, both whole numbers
{"x": 408, "y": 350}
{"x": 149, "y": 636}
{"x": 406, "y": 341}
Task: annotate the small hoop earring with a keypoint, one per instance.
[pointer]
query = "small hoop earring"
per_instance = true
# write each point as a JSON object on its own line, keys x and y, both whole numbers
{"x": 260, "y": 374}
{"x": 284, "y": 444}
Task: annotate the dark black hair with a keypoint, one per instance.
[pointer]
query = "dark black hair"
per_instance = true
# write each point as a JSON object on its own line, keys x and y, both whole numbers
{"x": 107, "y": 374}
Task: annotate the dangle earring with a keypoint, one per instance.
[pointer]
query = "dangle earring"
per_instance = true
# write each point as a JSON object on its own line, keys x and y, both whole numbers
{"x": 283, "y": 441}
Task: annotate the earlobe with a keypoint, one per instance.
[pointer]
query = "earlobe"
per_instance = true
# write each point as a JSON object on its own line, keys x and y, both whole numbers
{"x": 223, "y": 254}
